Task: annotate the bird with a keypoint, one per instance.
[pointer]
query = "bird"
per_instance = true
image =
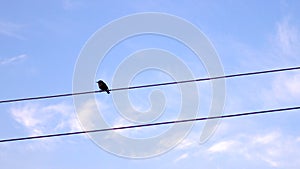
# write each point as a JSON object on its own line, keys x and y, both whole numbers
{"x": 102, "y": 86}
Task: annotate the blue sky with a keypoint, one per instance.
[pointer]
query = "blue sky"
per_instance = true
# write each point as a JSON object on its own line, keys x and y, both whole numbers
{"x": 40, "y": 44}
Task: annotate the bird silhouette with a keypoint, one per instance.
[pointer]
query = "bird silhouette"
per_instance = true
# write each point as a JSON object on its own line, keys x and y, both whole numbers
{"x": 102, "y": 86}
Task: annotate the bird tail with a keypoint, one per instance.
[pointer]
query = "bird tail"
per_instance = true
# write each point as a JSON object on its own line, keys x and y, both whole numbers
{"x": 107, "y": 91}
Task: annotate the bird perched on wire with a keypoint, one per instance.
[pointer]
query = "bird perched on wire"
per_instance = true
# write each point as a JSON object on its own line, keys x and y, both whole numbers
{"x": 102, "y": 86}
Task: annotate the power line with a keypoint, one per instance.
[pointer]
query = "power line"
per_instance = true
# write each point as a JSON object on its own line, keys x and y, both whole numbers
{"x": 49, "y": 96}
{"x": 152, "y": 124}
{"x": 153, "y": 85}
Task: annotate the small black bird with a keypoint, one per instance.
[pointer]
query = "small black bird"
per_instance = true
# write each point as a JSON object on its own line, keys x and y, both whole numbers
{"x": 103, "y": 86}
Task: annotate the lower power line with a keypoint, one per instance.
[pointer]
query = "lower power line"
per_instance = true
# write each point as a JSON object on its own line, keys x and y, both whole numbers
{"x": 152, "y": 124}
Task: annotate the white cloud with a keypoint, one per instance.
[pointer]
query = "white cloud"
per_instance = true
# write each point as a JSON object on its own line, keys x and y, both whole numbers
{"x": 88, "y": 114}
{"x": 273, "y": 148}
{"x": 283, "y": 89}
{"x": 280, "y": 49}
{"x": 187, "y": 143}
{"x": 25, "y": 115}
{"x": 39, "y": 119}
{"x": 11, "y": 29}
{"x": 287, "y": 38}
{"x": 222, "y": 146}
{"x": 12, "y": 59}
{"x": 287, "y": 86}
{"x": 266, "y": 139}
{"x": 181, "y": 157}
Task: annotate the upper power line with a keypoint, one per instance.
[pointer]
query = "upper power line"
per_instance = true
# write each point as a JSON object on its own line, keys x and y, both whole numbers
{"x": 153, "y": 124}
{"x": 153, "y": 85}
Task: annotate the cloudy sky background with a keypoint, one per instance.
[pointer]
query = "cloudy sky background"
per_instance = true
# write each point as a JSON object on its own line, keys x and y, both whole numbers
{"x": 40, "y": 43}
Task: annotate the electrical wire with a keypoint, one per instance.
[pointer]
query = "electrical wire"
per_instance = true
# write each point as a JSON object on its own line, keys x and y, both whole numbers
{"x": 153, "y": 85}
{"x": 152, "y": 124}
{"x": 47, "y": 97}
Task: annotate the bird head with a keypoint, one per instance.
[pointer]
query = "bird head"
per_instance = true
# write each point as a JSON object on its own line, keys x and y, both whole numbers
{"x": 99, "y": 81}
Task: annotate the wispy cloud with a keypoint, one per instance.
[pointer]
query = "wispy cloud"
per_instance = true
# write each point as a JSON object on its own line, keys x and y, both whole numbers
{"x": 284, "y": 88}
{"x": 274, "y": 148}
{"x": 11, "y": 30}
{"x": 287, "y": 38}
{"x": 269, "y": 148}
{"x": 12, "y": 59}
{"x": 181, "y": 157}
{"x": 279, "y": 48}
{"x": 39, "y": 119}
{"x": 222, "y": 146}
